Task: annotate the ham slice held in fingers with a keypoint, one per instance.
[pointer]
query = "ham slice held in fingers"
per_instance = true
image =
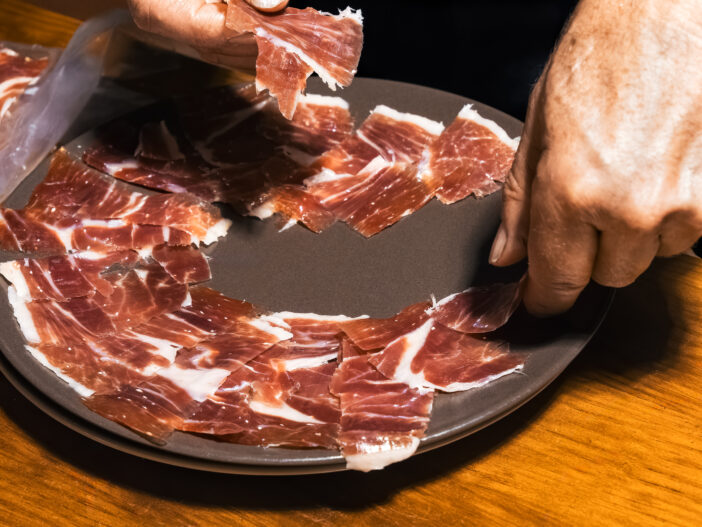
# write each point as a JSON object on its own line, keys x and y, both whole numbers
{"x": 295, "y": 42}
{"x": 479, "y": 309}
{"x": 382, "y": 420}
{"x": 436, "y": 357}
{"x": 472, "y": 156}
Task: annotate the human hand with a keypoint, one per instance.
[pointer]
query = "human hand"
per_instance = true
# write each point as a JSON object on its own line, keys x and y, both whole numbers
{"x": 608, "y": 174}
{"x": 199, "y": 24}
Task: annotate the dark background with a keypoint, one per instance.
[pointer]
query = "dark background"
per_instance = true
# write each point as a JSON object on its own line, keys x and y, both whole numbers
{"x": 490, "y": 51}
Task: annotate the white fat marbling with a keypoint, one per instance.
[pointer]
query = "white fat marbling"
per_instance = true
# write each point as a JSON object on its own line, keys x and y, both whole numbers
{"x": 470, "y": 114}
{"x": 381, "y": 458}
{"x": 433, "y": 127}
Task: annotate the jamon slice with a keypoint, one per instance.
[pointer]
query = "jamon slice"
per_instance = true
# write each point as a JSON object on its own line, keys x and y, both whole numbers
{"x": 294, "y": 204}
{"x": 369, "y": 334}
{"x": 157, "y": 406}
{"x": 315, "y": 339}
{"x": 393, "y": 135}
{"x": 244, "y": 340}
{"x": 382, "y": 420}
{"x": 258, "y": 405}
{"x": 319, "y": 124}
{"x": 478, "y": 309}
{"x": 74, "y": 190}
{"x": 137, "y": 296}
{"x": 433, "y": 356}
{"x": 152, "y": 158}
{"x": 17, "y": 72}
{"x": 211, "y": 312}
{"x": 64, "y": 277}
{"x": 103, "y": 366}
{"x": 295, "y": 42}
{"x": 185, "y": 263}
{"x": 378, "y": 196}
{"x": 19, "y": 231}
{"x": 472, "y": 156}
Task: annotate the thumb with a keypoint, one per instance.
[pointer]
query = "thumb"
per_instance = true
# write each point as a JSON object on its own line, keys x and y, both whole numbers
{"x": 510, "y": 244}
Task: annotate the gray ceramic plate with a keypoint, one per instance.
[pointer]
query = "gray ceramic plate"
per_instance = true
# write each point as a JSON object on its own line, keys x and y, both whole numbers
{"x": 437, "y": 250}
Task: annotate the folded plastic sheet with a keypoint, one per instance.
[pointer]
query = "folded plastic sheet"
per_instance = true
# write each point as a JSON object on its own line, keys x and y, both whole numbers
{"x": 43, "y": 114}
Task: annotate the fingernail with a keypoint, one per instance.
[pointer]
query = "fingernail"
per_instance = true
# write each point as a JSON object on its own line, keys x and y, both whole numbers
{"x": 498, "y": 246}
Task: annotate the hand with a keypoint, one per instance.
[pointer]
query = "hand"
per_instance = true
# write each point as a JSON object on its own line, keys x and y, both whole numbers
{"x": 199, "y": 24}
{"x": 608, "y": 174}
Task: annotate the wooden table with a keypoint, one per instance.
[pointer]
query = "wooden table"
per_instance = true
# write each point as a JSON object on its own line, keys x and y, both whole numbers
{"x": 616, "y": 439}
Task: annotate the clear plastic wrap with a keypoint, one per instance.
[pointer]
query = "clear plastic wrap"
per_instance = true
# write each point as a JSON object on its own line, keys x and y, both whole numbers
{"x": 45, "y": 112}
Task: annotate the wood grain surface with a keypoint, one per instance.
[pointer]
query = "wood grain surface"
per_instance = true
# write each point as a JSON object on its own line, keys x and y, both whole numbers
{"x": 615, "y": 440}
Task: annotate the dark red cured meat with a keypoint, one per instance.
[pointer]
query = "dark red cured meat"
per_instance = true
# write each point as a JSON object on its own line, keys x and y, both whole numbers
{"x": 382, "y": 420}
{"x": 372, "y": 334}
{"x": 236, "y": 413}
{"x": 21, "y": 232}
{"x": 137, "y": 296}
{"x": 158, "y": 164}
{"x": 472, "y": 156}
{"x": 434, "y": 356}
{"x": 387, "y": 133}
{"x": 377, "y": 197}
{"x": 186, "y": 264}
{"x": 295, "y": 42}
{"x": 74, "y": 190}
{"x": 17, "y": 72}
{"x": 479, "y": 309}
{"x": 295, "y": 204}
{"x": 319, "y": 124}
{"x": 153, "y": 408}
{"x": 64, "y": 277}
{"x": 222, "y": 125}
{"x": 212, "y": 312}
{"x": 243, "y": 341}
{"x": 315, "y": 339}
{"x": 82, "y": 364}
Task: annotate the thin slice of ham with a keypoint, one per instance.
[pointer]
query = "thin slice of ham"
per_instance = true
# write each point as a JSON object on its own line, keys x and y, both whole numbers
{"x": 382, "y": 420}
{"x": 294, "y": 43}
{"x": 73, "y": 190}
{"x": 17, "y": 73}
{"x": 478, "y": 309}
{"x": 372, "y": 334}
{"x": 472, "y": 156}
{"x": 64, "y": 277}
{"x": 436, "y": 357}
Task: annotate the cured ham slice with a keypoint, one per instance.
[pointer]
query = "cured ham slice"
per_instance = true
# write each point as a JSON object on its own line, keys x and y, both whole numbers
{"x": 17, "y": 73}
{"x": 243, "y": 341}
{"x": 294, "y": 43}
{"x": 315, "y": 339}
{"x": 382, "y": 420}
{"x": 478, "y": 309}
{"x": 64, "y": 277}
{"x": 320, "y": 123}
{"x": 19, "y": 231}
{"x": 395, "y": 136}
{"x": 259, "y": 405}
{"x": 185, "y": 263}
{"x": 152, "y": 158}
{"x": 472, "y": 156}
{"x": 433, "y": 356}
{"x": 212, "y": 312}
{"x": 158, "y": 405}
{"x": 369, "y": 334}
{"x": 294, "y": 204}
{"x": 137, "y": 296}
{"x": 379, "y": 196}
{"x": 72, "y": 189}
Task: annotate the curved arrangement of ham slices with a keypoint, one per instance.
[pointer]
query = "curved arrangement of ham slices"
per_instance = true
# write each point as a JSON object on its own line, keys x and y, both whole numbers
{"x": 232, "y": 146}
{"x": 109, "y": 292}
